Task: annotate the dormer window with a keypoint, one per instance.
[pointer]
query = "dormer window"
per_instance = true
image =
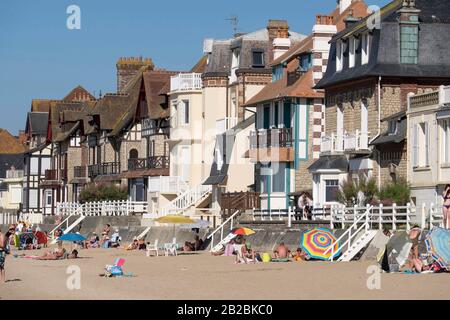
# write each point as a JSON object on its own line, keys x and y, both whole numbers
{"x": 277, "y": 72}
{"x": 365, "y": 52}
{"x": 305, "y": 62}
{"x": 257, "y": 58}
{"x": 392, "y": 127}
{"x": 235, "y": 64}
{"x": 340, "y": 55}
{"x": 353, "y": 44}
{"x": 409, "y": 43}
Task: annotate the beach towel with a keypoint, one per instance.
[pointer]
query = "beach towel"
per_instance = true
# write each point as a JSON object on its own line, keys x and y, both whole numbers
{"x": 281, "y": 260}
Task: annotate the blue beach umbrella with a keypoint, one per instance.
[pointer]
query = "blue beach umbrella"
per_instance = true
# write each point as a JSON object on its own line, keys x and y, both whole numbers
{"x": 438, "y": 245}
{"x": 72, "y": 237}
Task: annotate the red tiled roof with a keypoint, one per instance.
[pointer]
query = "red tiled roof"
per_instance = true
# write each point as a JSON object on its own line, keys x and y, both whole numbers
{"x": 10, "y": 144}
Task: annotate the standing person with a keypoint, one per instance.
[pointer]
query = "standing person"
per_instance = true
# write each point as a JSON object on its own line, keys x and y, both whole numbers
{"x": 446, "y": 206}
{"x": 4, "y": 250}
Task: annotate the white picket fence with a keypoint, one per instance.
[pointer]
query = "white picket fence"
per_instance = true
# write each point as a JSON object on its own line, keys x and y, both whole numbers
{"x": 11, "y": 218}
{"x": 8, "y": 218}
{"x": 102, "y": 208}
{"x": 393, "y": 217}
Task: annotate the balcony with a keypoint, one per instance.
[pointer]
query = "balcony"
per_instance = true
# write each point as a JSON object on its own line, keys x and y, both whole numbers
{"x": 428, "y": 99}
{"x": 225, "y": 124}
{"x": 357, "y": 142}
{"x": 80, "y": 172}
{"x": 186, "y": 82}
{"x": 104, "y": 169}
{"x": 159, "y": 162}
{"x": 14, "y": 174}
{"x": 268, "y": 145}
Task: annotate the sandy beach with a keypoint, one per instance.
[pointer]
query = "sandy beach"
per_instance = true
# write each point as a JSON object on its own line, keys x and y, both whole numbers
{"x": 202, "y": 276}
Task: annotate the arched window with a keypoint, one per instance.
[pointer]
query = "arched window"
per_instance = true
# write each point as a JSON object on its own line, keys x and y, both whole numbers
{"x": 134, "y": 154}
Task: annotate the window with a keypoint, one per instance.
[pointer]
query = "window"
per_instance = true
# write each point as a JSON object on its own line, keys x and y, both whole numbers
{"x": 266, "y": 118}
{"x": 183, "y": 112}
{"x": 365, "y": 52}
{"x": 75, "y": 141}
{"x": 352, "y": 51}
{"x": 257, "y": 58}
{"x": 135, "y": 133}
{"x": 331, "y": 190}
{"x": 339, "y": 55}
{"x": 409, "y": 40}
{"x": 277, "y": 72}
{"x": 392, "y": 127}
{"x": 273, "y": 178}
{"x": 446, "y": 141}
{"x": 421, "y": 138}
{"x": 305, "y": 62}
{"x": 276, "y": 118}
{"x": 235, "y": 64}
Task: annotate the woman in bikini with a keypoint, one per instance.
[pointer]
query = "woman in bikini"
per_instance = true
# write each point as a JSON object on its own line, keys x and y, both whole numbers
{"x": 446, "y": 206}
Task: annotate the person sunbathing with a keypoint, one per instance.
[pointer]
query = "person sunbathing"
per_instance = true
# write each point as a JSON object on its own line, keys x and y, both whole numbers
{"x": 134, "y": 245}
{"x": 282, "y": 252}
{"x": 52, "y": 255}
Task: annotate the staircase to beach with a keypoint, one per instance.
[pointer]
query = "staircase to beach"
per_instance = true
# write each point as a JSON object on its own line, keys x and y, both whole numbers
{"x": 186, "y": 200}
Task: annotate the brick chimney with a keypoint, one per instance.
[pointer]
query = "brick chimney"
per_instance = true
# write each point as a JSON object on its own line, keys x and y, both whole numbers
{"x": 278, "y": 37}
{"x": 127, "y": 67}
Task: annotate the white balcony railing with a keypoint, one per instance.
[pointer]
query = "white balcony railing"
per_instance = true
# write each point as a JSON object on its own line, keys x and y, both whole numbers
{"x": 355, "y": 141}
{"x": 14, "y": 174}
{"x": 225, "y": 124}
{"x": 186, "y": 82}
{"x": 166, "y": 184}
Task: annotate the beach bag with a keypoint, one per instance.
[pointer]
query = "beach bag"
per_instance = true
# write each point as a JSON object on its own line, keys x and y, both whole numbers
{"x": 265, "y": 257}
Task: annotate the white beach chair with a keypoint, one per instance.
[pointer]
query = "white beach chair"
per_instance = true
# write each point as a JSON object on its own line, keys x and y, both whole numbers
{"x": 153, "y": 248}
{"x": 171, "y": 248}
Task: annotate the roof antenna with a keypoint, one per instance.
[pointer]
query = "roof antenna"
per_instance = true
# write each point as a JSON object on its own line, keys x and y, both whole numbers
{"x": 234, "y": 22}
{"x": 100, "y": 94}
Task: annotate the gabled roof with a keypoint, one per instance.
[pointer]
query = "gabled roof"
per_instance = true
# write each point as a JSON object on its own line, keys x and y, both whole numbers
{"x": 156, "y": 83}
{"x": 37, "y": 123}
{"x": 79, "y": 94}
{"x": 61, "y": 122}
{"x": 40, "y": 105}
{"x": 9, "y": 144}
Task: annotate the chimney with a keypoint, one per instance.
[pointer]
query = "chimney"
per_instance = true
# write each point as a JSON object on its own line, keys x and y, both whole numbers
{"x": 278, "y": 37}
{"x": 323, "y": 31}
{"x": 343, "y": 5}
{"x": 127, "y": 68}
{"x": 350, "y": 20}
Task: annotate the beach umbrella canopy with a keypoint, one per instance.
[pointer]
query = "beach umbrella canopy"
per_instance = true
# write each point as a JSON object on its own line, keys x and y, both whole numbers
{"x": 242, "y": 231}
{"x": 72, "y": 237}
{"x": 175, "y": 219}
{"x": 438, "y": 245}
{"x": 316, "y": 242}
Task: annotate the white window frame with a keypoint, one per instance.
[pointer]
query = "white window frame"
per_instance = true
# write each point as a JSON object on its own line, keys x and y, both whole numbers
{"x": 339, "y": 55}
{"x": 365, "y": 48}
{"x": 352, "y": 52}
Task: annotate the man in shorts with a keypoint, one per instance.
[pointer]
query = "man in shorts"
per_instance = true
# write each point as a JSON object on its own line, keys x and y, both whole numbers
{"x": 4, "y": 249}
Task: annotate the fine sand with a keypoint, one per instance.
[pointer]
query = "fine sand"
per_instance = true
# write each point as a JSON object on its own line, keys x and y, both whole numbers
{"x": 202, "y": 276}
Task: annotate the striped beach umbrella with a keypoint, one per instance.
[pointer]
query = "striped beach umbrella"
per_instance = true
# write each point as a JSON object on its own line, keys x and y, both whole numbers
{"x": 316, "y": 242}
{"x": 242, "y": 231}
{"x": 438, "y": 245}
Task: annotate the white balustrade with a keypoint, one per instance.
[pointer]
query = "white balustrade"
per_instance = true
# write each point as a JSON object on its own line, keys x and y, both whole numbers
{"x": 355, "y": 141}
{"x": 185, "y": 200}
{"x": 166, "y": 184}
{"x": 186, "y": 82}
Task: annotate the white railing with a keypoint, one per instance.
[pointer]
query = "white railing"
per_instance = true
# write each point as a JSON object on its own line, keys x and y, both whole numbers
{"x": 354, "y": 141}
{"x": 8, "y": 218}
{"x": 186, "y": 82}
{"x": 364, "y": 220}
{"x": 221, "y": 228}
{"x": 165, "y": 184}
{"x": 102, "y": 208}
{"x": 14, "y": 174}
{"x": 77, "y": 212}
{"x": 185, "y": 200}
{"x": 393, "y": 216}
{"x": 225, "y": 124}
{"x": 436, "y": 217}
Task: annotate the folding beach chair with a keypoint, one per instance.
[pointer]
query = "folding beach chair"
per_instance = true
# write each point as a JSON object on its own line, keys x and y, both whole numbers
{"x": 153, "y": 248}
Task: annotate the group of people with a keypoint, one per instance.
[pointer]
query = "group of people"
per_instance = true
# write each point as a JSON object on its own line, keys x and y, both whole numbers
{"x": 245, "y": 254}
{"x": 197, "y": 245}
{"x": 138, "y": 244}
{"x": 105, "y": 241}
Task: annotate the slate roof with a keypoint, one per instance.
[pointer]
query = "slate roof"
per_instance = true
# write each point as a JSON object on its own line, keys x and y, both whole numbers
{"x": 330, "y": 163}
{"x": 157, "y": 84}
{"x": 384, "y": 60}
{"x": 37, "y": 123}
{"x": 400, "y": 134}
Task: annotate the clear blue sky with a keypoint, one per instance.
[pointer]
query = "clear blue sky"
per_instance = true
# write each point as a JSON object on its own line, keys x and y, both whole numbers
{"x": 41, "y": 58}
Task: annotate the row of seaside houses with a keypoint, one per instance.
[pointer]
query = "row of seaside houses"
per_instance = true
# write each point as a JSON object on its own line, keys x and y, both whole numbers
{"x": 260, "y": 117}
